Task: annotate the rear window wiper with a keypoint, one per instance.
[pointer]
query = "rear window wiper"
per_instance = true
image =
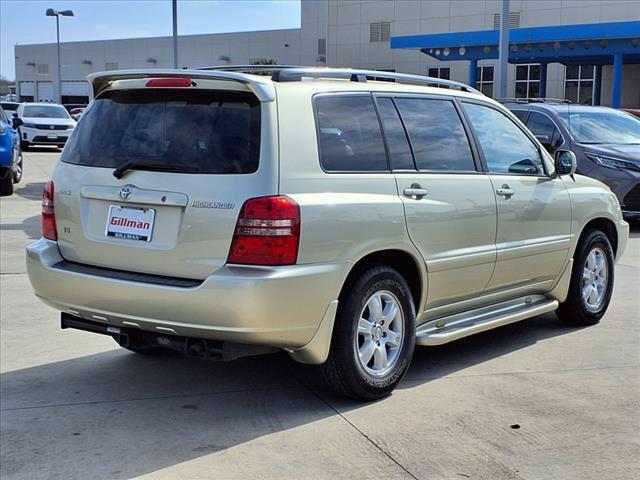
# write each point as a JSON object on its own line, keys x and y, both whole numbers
{"x": 155, "y": 167}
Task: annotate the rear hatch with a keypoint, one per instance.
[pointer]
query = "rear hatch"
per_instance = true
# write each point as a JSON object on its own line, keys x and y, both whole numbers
{"x": 187, "y": 156}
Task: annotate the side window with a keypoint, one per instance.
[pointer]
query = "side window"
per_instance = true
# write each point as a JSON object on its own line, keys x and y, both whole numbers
{"x": 436, "y": 134}
{"x": 349, "y": 135}
{"x": 506, "y": 148}
{"x": 521, "y": 114}
{"x": 397, "y": 143}
{"x": 541, "y": 125}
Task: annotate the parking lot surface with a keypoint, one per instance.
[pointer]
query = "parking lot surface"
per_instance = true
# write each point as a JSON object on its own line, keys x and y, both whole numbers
{"x": 533, "y": 400}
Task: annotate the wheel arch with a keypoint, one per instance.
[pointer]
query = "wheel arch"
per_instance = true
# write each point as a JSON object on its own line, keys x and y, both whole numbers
{"x": 404, "y": 262}
{"x": 606, "y": 226}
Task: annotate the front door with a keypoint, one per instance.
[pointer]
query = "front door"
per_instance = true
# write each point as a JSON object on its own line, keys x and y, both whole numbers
{"x": 449, "y": 205}
{"x": 534, "y": 209}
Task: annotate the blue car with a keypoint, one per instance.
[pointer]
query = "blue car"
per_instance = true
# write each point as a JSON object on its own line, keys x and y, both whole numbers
{"x": 10, "y": 154}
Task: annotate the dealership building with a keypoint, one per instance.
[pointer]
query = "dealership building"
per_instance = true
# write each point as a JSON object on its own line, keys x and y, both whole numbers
{"x": 586, "y": 51}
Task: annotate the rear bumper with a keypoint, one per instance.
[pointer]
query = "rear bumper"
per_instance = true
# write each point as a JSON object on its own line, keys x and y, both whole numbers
{"x": 275, "y": 306}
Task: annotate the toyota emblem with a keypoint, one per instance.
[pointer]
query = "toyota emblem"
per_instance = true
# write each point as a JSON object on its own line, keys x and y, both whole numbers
{"x": 51, "y": 127}
{"x": 125, "y": 193}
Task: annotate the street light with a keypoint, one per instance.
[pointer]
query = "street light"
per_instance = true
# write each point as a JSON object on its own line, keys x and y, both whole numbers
{"x": 55, "y": 13}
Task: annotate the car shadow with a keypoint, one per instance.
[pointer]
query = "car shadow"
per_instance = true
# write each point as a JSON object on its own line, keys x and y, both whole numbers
{"x": 120, "y": 415}
{"x": 30, "y": 225}
{"x": 30, "y": 191}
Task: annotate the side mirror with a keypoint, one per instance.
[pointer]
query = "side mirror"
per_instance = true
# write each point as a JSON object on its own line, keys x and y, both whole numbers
{"x": 16, "y": 122}
{"x": 565, "y": 162}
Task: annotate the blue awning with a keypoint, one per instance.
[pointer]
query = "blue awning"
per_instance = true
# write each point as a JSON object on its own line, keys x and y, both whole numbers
{"x": 594, "y": 43}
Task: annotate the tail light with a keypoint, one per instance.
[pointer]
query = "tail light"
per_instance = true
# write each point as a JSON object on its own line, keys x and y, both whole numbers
{"x": 48, "y": 214}
{"x": 267, "y": 232}
{"x": 176, "y": 82}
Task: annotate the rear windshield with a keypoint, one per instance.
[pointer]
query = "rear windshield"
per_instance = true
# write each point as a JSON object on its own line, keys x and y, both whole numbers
{"x": 45, "y": 111}
{"x": 212, "y": 131}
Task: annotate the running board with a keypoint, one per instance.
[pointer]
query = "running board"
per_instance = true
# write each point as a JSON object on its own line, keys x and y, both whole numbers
{"x": 447, "y": 329}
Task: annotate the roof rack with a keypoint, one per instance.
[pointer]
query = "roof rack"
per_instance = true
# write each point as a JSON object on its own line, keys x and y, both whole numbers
{"x": 292, "y": 73}
{"x": 533, "y": 100}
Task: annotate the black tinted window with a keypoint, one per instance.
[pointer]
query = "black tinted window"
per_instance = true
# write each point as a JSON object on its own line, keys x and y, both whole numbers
{"x": 212, "y": 131}
{"x": 436, "y": 133}
{"x": 397, "y": 143}
{"x": 521, "y": 114}
{"x": 506, "y": 148}
{"x": 349, "y": 134}
{"x": 541, "y": 125}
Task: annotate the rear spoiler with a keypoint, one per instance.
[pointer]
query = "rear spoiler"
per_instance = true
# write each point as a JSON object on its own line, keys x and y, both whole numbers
{"x": 262, "y": 87}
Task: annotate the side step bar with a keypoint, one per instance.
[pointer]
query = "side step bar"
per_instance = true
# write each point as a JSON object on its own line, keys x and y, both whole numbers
{"x": 447, "y": 329}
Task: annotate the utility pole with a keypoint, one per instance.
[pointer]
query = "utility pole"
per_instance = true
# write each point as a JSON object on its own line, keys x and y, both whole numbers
{"x": 503, "y": 53}
{"x": 175, "y": 33}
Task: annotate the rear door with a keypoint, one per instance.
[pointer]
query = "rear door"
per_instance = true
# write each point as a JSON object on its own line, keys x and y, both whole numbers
{"x": 449, "y": 205}
{"x": 154, "y": 219}
{"x": 534, "y": 209}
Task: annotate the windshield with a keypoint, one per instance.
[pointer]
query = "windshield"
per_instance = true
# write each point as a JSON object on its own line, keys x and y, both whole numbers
{"x": 208, "y": 131}
{"x": 9, "y": 106}
{"x": 44, "y": 111}
{"x": 597, "y": 127}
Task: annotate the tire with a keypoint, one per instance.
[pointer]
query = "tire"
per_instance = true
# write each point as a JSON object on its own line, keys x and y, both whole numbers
{"x": 6, "y": 183}
{"x": 593, "y": 267}
{"x": 18, "y": 173}
{"x": 358, "y": 331}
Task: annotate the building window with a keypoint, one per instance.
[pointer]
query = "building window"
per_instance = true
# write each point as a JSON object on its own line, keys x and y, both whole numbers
{"x": 439, "y": 72}
{"x": 383, "y": 79}
{"x": 43, "y": 68}
{"x": 578, "y": 84}
{"x": 111, "y": 66}
{"x": 514, "y": 20}
{"x": 484, "y": 76}
{"x": 379, "y": 32}
{"x": 322, "y": 46}
{"x": 528, "y": 81}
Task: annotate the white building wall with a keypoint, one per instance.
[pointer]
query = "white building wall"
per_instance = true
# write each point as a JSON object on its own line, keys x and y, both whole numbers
{"x": 345, "y": 26}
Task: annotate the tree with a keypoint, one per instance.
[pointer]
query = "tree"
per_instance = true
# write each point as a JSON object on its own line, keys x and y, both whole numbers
{"x": 4, "y": 85}
{"x": 264, "y": 61}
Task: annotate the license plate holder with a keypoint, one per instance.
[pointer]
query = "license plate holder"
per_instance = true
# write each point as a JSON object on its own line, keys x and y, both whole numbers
{"x": 52, "y": 137}
{"x": 130, "y": 223}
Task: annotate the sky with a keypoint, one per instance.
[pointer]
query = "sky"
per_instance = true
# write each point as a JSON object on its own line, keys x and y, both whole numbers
{"x": 24, "y": 21}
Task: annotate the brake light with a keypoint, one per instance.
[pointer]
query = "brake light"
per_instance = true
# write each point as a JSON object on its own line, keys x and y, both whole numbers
{"x": 48, "y": 214}
{"x": 179, "y": 82}
{"x": 267, "y": 232}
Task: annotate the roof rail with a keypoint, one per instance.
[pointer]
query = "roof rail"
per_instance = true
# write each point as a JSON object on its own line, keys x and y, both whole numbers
{"x": 533, "y": 100}
{"x": 292, "y": 73}
{"x": 262, "y": 88}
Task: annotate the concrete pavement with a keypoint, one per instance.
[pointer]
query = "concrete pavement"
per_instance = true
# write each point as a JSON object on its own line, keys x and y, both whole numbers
{"x": 75, "y": 406}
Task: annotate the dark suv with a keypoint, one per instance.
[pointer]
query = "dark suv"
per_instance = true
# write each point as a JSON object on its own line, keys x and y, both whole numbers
{"x": 606, "y": 143}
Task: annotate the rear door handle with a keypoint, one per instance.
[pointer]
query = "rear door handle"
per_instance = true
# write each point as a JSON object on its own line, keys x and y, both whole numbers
{"x": 415, "y": 191}
{"x": 505, "y": 191}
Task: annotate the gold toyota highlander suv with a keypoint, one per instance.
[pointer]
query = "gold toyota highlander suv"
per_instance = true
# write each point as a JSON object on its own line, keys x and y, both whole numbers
{"x": 226, "y": 212}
